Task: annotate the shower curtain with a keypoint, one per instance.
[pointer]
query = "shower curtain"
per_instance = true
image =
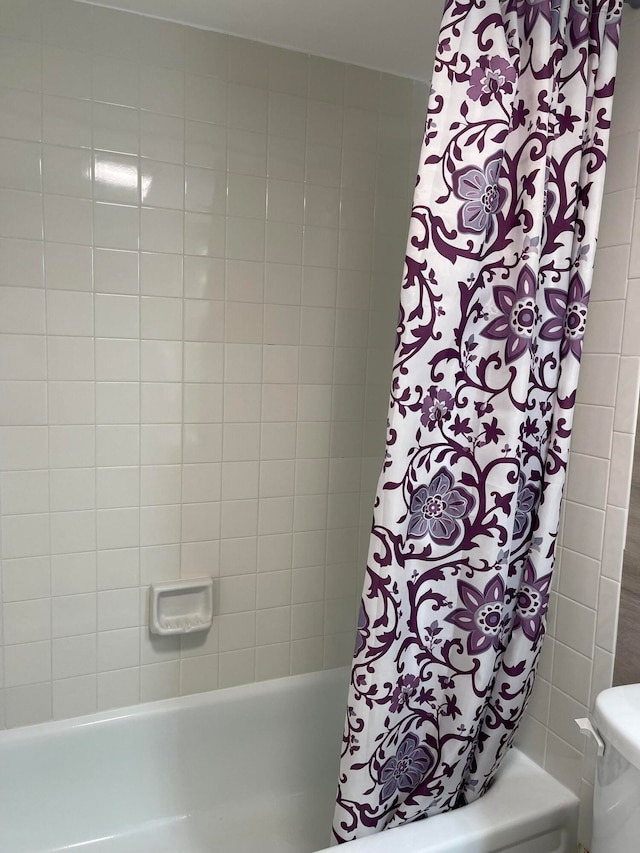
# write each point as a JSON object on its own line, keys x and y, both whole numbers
{"x": 492, "y": 316}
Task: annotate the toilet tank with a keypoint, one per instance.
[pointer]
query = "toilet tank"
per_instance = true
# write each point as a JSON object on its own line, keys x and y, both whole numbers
{"x": 616, "y": 807}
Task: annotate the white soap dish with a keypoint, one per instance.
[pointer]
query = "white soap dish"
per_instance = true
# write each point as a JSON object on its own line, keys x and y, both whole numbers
{"x": 181, "y": 607}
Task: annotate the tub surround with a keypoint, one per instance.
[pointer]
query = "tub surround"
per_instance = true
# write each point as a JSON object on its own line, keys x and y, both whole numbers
{"x": 194, "y": 230}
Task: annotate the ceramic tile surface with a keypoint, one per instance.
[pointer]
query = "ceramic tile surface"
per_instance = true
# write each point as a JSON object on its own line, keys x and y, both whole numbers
{"x": 189, "y": 379}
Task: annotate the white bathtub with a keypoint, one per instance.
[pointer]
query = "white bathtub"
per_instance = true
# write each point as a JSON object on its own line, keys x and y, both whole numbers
{"x": 237, "y": 771}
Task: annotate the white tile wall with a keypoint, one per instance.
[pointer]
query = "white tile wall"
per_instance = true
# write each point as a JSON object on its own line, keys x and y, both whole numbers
{"x": 579, "y": 650}
{"x": 187, "y": 266}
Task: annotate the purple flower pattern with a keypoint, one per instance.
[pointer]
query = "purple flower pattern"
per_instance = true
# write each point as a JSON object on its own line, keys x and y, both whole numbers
{"x": 490, "y": 328}
{"x": 518, "y": 316}
{"x": 492, "y": 76}
{"x": 532, "y": 602}
{"x": 579, "y": 21}
{"x": 530, "y": 11}
{"x": 404, "y": 770}
{"x": 482, "y": 615}
{"x": 525, "y": 506}
{"x": 361, "y": 630}
{"x": 437, "y": 510}
{"x": 436, "y": 408}
{"x": 612, "y": 25}
{"x": 569, "y": 321}
{"x": 406, "y": 687}
{"x": 483, "y": 196}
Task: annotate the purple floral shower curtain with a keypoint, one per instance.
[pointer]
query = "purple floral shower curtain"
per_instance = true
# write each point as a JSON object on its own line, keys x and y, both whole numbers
{"x": 493, "y": 310}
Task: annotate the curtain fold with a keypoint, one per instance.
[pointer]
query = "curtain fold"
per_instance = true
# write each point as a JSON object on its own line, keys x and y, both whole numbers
{"x": 492, "y": 317}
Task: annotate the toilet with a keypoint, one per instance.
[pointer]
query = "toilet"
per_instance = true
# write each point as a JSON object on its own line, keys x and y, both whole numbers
{"x": 616, "y": 806}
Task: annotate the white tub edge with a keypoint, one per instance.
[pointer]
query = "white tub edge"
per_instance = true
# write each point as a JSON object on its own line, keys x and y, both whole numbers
{"x": 494, "y": 822}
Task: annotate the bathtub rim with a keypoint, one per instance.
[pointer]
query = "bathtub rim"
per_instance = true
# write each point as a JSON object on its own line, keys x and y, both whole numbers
{"x": 191, "y": 701}
{"x": 557, "y": 809}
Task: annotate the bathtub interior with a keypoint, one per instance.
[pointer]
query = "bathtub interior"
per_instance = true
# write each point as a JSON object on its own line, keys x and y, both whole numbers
{"x": 230, "y": 767}
{"x": 241, "y": 770}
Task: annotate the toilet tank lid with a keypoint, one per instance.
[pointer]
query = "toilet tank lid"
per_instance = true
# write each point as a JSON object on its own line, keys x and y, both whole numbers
{"x": 617, "y": 717}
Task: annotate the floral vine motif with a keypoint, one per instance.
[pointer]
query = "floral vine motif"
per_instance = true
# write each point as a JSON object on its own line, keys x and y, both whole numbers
{"x": 403, "y": 771}
{"x": 406, "y": 687}
{"x": 483, "y": 196}
{"x": 436, "y": 408}
{"x": 569, "y": 321}
{"x": 436, "y": 509}
{"x": 532, "y": 602}
{"x": 518, "y": 315}
{"x": 482, "y": 615}
{"x": 492, "y": 76}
